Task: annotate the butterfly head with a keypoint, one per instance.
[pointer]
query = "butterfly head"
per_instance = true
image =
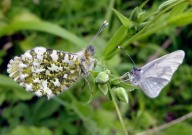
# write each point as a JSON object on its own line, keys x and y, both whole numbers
{"x": 90, "y": 51}
{"x": 86, "y": 56}
{"x": 135, "y": 76}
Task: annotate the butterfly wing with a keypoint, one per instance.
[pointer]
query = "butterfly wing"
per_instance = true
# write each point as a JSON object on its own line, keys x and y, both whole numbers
{"x": 158, "y": 73}
{"x": 45, "y": 71}
{"x": 152, "y": 86}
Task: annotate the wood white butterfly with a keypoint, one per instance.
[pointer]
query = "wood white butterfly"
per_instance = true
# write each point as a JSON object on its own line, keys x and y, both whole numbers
{"x": 155, "y": 75}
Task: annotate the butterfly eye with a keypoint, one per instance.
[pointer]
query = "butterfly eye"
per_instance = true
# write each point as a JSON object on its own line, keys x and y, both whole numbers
{"x": 90, "y": 51}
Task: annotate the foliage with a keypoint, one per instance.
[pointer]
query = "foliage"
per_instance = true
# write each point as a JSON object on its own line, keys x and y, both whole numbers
{"x": 146, "y": 30}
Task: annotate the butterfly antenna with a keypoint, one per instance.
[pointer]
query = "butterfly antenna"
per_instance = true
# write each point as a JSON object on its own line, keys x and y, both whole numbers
{"x": 103, "y": 26}
{"x": 119, "y": 47}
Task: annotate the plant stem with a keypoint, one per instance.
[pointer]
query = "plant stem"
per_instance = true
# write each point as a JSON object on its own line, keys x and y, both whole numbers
{"x": 118, "y": 111}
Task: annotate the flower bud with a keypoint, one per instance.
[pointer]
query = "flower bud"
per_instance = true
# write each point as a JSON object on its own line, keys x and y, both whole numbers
{"x": 102, "y": 78}
{"x": 135, "y": 13}
{"x": 121, "y": 94}
{"x": 107, "y": 71}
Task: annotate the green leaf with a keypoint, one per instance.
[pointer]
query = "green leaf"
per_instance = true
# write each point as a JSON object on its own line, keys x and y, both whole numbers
{"x": 116, "y": 40}
{"x": 166, "y": 4}
{"x": 2, "y": 98}
{"x": 181, "y": 19}
{"x": 42, "y": 26}
{"x": 44, "y": 108}
{"x": 18, "y": 91}
{"x": 178, "y": 9}
{"x": 104, "y": 118}
{"x": 92, "y": 95}
{"x": 9, "y": 82}
{"x": 178, "y": 129}
{"x": 124, "y": 20}
{"x": 91, "y": 127}
{"x": 30, "y": 130}
{"x": 22, "y": 94}
{"x": 21, "y": 110}
{"x": 104, "y": 88}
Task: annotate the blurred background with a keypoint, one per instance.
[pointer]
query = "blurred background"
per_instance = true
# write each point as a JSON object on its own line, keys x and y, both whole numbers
{"x": 145, "y": 30}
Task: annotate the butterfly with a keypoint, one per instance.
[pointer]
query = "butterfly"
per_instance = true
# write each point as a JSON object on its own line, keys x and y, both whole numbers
{"x": 49, "y": 72}
{"x": 155, "y": 75}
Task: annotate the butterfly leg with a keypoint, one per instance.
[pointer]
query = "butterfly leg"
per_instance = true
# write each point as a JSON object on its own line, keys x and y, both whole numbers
{"x": 85, "y": 79}
{"x": 124, "y": 77}
{"x": 96, "y": 61}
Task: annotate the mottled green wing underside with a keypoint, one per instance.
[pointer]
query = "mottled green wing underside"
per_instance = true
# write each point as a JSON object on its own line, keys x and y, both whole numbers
{"x": 45, "y": 71}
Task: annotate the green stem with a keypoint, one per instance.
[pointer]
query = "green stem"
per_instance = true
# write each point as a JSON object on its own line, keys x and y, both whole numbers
{"x": 118, "y": 111}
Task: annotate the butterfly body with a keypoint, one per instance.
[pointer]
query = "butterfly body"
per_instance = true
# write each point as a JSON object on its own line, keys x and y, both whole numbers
{"x": 135, "y": 76}
{"x": 155, "y": 75}
{"x": 49, "y": 72}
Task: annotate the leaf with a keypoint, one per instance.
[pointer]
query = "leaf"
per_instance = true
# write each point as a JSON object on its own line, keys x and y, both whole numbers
{"x": 2, "y": 98}
{"x": 92, "y": 95}
{"x": 8, "y": 82}
{"x": 91, "y": 127}
{"x": 166, "y": 4}
{"x": 42, "y": 26}
{"x": 30, "y": 130}
{"x": 178, "y": 129}
{"x": 116, "y": 40}
{"x": 45, "y": 108}
{"x": 18, "y": 91}
{"x": 124, "y": 20}
{"x": 181, "y": 19}
{"x": 103, "y": 88}
{"x": 178, "y": 10}
{"x": 22, "y": 94}
{"x": 104, "y": 118}
{"x": 21, "y": 110}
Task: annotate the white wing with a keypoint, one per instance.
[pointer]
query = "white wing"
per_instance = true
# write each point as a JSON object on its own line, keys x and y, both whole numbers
{"x": 158, "y": 73}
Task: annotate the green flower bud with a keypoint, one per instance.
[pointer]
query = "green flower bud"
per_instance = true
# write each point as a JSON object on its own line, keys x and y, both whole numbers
{"x": 103, "y": 88}
{"x": 121, "y": 94}
{"x": 102, "y": 78}
{"x": 107, "y": 71}
{"x": 135, "y": 14}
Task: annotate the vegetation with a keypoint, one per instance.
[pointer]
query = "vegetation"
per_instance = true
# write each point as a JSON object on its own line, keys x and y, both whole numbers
{"x": 146, "y": 30}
